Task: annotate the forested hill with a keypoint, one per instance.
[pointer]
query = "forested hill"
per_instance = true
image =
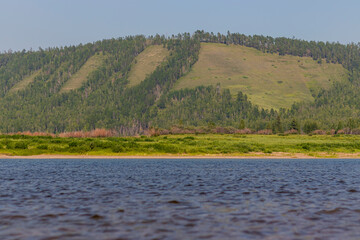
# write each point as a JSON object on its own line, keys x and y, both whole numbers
{"x": 134, "y": 83}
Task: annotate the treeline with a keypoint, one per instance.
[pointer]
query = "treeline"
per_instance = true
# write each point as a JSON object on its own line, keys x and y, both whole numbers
{"x": 347, "y": 55}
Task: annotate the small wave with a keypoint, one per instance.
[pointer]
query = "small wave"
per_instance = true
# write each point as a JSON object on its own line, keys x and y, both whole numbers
{"x": 332, "y": 211}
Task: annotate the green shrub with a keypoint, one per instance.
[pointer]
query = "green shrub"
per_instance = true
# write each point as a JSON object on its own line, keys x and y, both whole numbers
{"x": 243, "y": 148}
{"x": 165, "y": 148}
{"x": 57, "y": 149}
{"x": 21, "y": 145}
{"x": 38, "y": 140}
{"x": 189, "y": 138}
{"x": 132, "y": 145}
{"x": 103, "y": 145}
{"x": 43, "y": 147}
{"x": 305, "y": 146}
{"x": 267, "y": 151}
{"x": 118, "y": 139}
{"x": 149, "y": 140}
{"x": 190, "y": 143}
{"x": 8, "y": 144}
{"x": 80, "y": 149}
{"x": 118, "y": 149}
{"x": 73, "y": 144}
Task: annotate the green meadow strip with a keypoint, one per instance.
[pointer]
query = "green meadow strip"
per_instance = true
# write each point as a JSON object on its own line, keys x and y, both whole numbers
{"x": 180, "y": 145}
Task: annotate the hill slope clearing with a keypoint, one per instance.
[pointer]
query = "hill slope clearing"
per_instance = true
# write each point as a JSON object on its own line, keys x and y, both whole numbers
{"x": 24, "y": 82}
{"x": 269, "y": 80}
{"x": 146, "y": 62}
{"x": 80, "y": 76}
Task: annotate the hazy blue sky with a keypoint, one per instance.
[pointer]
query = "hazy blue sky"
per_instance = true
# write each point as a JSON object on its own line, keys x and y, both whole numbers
{"x": 29, "y": 24}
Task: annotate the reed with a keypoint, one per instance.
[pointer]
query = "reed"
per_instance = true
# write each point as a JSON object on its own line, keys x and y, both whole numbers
{"x": 96, "y": 133}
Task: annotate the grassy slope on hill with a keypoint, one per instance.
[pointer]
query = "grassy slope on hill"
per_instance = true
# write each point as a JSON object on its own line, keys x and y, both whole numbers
{"x": 269, "y": 80}
{"x": 80, "y": 76}
{"x": 24, "y": 82}
{"x": 146, "y": 63}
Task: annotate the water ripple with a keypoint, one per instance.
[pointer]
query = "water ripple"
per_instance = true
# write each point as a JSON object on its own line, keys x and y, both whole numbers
{"x": 179, "y": 199}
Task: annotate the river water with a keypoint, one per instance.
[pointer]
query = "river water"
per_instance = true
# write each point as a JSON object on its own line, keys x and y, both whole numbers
{"x": 179, "y": 199}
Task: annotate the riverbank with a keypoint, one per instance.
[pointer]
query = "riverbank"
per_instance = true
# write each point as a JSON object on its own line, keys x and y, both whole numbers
{"x": 257, "y": 155}
{"x": 183, "y": 146}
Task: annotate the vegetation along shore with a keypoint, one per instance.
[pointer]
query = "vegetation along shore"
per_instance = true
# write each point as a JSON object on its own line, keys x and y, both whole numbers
{"x": 183, "y": 145}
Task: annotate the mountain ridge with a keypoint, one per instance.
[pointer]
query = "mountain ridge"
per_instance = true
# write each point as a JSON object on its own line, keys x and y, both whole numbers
{"x": 106, "y": 100}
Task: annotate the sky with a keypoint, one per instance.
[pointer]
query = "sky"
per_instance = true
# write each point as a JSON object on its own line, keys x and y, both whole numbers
{"x": 27, "y": 24}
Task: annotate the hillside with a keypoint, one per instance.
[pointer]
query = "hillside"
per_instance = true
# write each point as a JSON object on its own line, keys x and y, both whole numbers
{"x": 135, "y": 83}
{"x": 269, "y": 80}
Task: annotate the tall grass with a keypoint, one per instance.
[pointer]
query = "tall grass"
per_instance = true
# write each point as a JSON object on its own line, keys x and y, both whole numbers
{"x": 96, "y": 133}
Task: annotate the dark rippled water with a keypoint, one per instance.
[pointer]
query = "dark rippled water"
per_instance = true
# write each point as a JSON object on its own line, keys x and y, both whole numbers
{"x": 179, "y": 199}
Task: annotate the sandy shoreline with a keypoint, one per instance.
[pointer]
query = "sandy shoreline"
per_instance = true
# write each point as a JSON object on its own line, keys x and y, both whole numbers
{"x": 257, "y": 155}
